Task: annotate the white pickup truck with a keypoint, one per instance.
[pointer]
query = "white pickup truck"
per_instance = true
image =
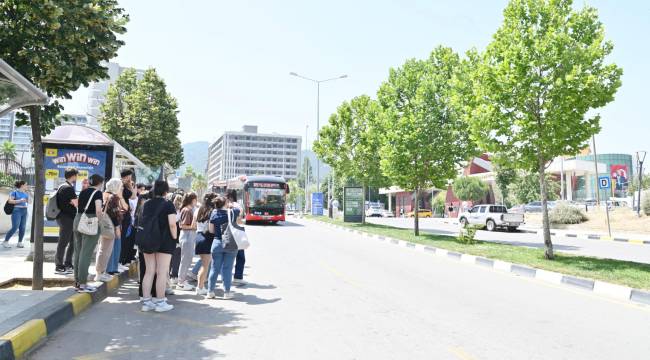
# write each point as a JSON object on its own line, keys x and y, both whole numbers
{"x": 492, "y": 217}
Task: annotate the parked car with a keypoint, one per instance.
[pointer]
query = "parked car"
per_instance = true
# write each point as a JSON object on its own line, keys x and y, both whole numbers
{"x": 374, "y": 211}
{"x": 387, "y": 214}
{"x": 422, "y": 213}
{"x": 536, "y": 206}
{"x": 492, "y": 217}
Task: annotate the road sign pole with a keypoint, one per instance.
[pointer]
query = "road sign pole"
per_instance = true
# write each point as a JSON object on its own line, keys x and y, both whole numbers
{"x": 604, "y": 182}
{"x": 609, "y": 229}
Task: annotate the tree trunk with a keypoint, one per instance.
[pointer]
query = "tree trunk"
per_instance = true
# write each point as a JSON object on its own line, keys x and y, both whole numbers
{"x": 39, "y": 193}
{"x": 416, "y": 213}
{"x": 363, "y": 211}
{"x": 545, "y": 222}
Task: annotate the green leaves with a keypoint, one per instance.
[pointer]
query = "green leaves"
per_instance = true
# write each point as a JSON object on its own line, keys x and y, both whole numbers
{"x": 141, "y": 115}
{"x": 470, "y": 188}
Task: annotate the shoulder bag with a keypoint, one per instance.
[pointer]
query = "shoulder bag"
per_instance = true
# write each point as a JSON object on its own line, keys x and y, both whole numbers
{"x": 88, "y": 225}
{"x": 9, "y": 207}
{"x": 106, "y": 227}
{"x": 238, "y": 232}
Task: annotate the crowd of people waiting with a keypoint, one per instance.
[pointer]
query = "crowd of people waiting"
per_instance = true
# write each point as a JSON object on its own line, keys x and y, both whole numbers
{"x": 119, "y": 218}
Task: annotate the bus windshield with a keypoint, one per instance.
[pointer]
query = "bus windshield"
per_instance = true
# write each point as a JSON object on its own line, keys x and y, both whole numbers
{"x": 268, "y": 198}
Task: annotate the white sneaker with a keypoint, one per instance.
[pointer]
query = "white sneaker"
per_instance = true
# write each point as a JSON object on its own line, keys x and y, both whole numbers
{"x": 104, "y": 278}
{"x": 173, "y": 281}
{"x": 122, "y": 268}
{"x": 169, "y": 291}
{"x": 211, "y": 295}
{"x": 20, "y": 245}
{"x": 238, "y": 282}
{"x": 5, "y": 244}
{"x": 201, "y": 291}
{"x": 148, "y": 305}
{"x": 227, "y": 295}
{"x": 185, "y": 287}
{"x": 162, "y": 306}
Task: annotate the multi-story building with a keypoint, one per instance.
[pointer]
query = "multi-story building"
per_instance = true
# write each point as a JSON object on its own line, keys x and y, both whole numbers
{"x": 98, "y": 90}
{"x": 21, "y": 136}
{"x": 250, "y": 153}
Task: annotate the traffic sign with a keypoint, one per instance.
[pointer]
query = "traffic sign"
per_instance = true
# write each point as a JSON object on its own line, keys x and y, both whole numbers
{"x": 604, "y": 182}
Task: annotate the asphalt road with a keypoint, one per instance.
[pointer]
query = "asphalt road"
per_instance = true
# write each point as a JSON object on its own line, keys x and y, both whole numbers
{"x": 321, "y": 293}
{"x": 596, "y": 248}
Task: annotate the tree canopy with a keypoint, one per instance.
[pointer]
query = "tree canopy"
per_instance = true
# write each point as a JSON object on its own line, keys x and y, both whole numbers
{"x": 469, "y": 188}
{"x": 142, "y": 116}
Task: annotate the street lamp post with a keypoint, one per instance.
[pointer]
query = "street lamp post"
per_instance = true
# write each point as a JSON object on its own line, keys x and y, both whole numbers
{"x": 317, "y": 82}
{"x": 640, "y": 157}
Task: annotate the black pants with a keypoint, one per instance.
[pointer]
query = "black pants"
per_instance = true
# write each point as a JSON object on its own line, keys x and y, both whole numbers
{"x": 65, "y": 244}
{"x": 176, "y": 263}
{"x": 143, "y": 269}
{"x": 239, "y": 265}
{"x": 127, "y": 252}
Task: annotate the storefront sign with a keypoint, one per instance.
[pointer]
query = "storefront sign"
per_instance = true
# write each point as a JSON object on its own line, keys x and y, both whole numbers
{"x": 353, "y": 204}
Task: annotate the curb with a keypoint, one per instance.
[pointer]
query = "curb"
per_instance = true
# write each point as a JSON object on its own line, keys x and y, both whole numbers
{"x": 598, "y": 287}
{"x": 16, "y": 343}
{"x": 555, "y": 232}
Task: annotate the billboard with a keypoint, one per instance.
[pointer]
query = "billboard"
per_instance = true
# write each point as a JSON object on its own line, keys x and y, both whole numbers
{"x": 620, "y": 179}
{"x": 60, "y": 157}
{"x": 353, "y": 204}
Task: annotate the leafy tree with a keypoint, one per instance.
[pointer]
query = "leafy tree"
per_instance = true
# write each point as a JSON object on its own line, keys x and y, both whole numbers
{"x": 526, "y": 188}
{"x": 438, "y": 205}
{"x": 425, "y": 140}
{"x": 634, "y": 183}
{"x": 59, "y": 46}
{"x": 189, "y": 172}
{"x": 199, "y": 185}
{"x": 505, "y": 176}
{"x": 8, "y": 150}
{"x": 141, "y": 115}
{"x": 469, "y": 188}
{"x": 536, "y": 83}
{"x": 350, "y": 141}
{"x": 295, "y": 193}
{"x": 305, "y": 172}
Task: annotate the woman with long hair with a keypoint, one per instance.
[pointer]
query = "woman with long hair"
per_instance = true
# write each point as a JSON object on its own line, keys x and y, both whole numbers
{"x": 203, "y": 242}
{"x": 186, "y": 239}
{"x": 90, "y": 204}
{"x": 224, "y": 249}
{"x": 157, "y": 212}
{"x": 113, "y": 206}
{"x": 238, "y": 278}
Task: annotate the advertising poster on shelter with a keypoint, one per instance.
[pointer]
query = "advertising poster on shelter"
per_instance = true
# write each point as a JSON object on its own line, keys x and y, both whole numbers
{"x": 620, "y": 179}
{"x": 88, "y": 162}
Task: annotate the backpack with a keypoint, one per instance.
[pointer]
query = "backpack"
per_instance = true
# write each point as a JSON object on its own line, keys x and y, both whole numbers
{"x": 9, "y": 207}
{"x": 52, "y": 210}
{"x": 147, "y": 230}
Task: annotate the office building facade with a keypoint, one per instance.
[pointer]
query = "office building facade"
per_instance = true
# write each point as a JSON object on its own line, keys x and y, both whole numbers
{"x": 21, "y": 136}
{"x": 249, "y": 153}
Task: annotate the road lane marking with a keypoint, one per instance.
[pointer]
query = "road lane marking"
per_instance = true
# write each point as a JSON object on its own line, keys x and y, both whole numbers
{"x": 460, "y": 353}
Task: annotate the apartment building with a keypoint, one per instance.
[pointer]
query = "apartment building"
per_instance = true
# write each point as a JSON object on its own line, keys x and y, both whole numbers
{"x": 248, "y": 152}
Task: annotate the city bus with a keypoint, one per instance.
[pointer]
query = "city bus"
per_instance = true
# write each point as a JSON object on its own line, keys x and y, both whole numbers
{"x": 263, "y": 198}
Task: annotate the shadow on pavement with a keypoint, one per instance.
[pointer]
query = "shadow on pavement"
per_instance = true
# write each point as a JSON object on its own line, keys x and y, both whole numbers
{"x": 536, "y": 245}
{"x": 117, "y": 329}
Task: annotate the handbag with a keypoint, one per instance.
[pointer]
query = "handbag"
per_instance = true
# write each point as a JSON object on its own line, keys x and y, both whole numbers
{"x": 88, "y": 225}
{"x": 238, "y": 233}
{"x": 9, "y": 207}
{"x": 106, "y": 227}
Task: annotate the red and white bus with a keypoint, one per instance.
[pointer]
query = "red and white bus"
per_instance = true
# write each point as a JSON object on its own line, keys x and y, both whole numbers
{"x": 263, "y": 198}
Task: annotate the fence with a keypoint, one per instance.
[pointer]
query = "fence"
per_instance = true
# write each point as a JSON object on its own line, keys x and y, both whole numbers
{"x": 12, "y": 168}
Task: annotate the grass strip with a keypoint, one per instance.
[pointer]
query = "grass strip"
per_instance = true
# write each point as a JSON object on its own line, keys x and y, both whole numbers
{"x": 627, "y": 273}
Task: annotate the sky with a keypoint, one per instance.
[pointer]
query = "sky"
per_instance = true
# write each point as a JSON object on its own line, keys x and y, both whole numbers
{"x": 228, "y": 62}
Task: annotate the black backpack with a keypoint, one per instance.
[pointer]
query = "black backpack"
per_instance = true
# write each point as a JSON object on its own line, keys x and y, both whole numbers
{"x": 147, "y": 231}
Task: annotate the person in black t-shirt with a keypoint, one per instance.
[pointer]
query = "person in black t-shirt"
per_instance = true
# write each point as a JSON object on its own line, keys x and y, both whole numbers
{"x": 66, "y": 200}
{"x": 90, "y": 204}
{"x": 158, "y": 255}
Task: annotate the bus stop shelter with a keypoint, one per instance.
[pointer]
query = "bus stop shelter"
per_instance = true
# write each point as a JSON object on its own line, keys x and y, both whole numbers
{"x": 16, "y": 91}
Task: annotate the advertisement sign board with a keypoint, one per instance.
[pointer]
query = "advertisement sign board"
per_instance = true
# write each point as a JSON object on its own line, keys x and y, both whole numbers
{"x": 353, "y": 204}
{"x": 87, "y": 160}
{"x": 620, "y": 179}
{"x": 317, "y": 203}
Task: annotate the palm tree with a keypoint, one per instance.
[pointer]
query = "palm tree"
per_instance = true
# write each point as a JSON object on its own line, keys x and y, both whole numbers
{"x": 8, "y": 152}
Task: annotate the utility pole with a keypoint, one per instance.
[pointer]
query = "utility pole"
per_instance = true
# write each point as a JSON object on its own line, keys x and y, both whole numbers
{"x": 304, "y": 164}
{"x": 640, "y": 157}
{"x": 593, "y": 139}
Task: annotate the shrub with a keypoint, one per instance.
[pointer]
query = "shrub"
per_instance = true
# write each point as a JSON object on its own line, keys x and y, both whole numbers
{"x": 566, "y": 214}
{"x": 6, "y": 180}
{"x": 467, "y": 234}
{"x": 439, "y": 203}
{"x": 645, "y": 203}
